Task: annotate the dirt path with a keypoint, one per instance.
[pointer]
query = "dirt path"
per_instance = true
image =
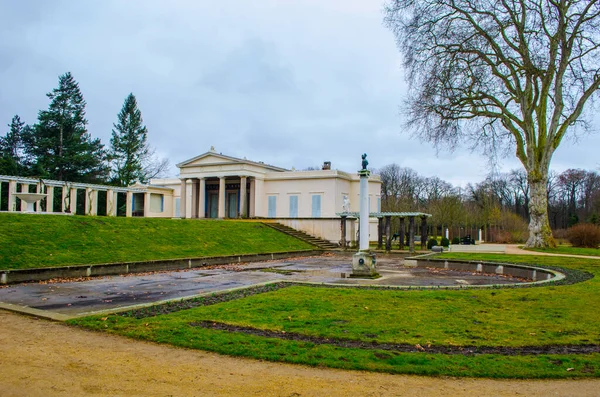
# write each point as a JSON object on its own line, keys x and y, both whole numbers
{"x": 43, "y": 358}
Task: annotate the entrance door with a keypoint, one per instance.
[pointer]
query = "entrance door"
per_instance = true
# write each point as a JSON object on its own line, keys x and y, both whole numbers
{"x": 232, "y": 205}
{"x": 213, "y": 205}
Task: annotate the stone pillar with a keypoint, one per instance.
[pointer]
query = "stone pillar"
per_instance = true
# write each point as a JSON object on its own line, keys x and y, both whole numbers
{"x": 202, "y": 199}
{"x": 388, "y": 233}
{"x": 343, "y": 242}
{"x": 49, "y": 198}
{"x": 63, "y": 198}
{"x": 424, "y": 236}
{"x": 73, "y": 200}
{"x": 243, "y": 197}
{"x": 252, "y": 198}
{"x": 12, "y": 189}
{"x": 146, "y": 204}
{"x": 479, "y": 239}
{"x": 411, "y": 234}
{"x": 195, "y": 185}
{"x": 364, "y": 211}
{"x": 379, "y": 233}
{"x": 91, "y": 201}
{"x": 128, "y": 204}
{"x": 24, "y": 189}
{"x": 111, "y": 203}
{"x": 38, "y": 205}
{"x": 221, "y": 211}
{"x": 183, "y": 198}
{"x": 402, "y": 233}
{"x": 259, "y": 199}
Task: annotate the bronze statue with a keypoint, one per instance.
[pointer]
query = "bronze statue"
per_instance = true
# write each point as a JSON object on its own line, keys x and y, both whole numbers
{"x": 364, "y": 161}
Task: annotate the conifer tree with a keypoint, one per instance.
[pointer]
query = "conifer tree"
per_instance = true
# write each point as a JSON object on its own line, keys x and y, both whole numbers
{"x": 11, "y": 148}
{"x": 59, "y": 144}
{"x": 129, "y": 151}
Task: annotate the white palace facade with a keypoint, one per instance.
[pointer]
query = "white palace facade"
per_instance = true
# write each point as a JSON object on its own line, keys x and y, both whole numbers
{"x": 214, "y": 185}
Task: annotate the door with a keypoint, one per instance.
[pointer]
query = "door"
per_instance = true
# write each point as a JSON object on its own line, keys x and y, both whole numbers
{"x": 213, "y": 205}
{"x": 232, "y": 205}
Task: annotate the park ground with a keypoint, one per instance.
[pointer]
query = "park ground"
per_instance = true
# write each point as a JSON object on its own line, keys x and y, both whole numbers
{"x": 52, "y": 359}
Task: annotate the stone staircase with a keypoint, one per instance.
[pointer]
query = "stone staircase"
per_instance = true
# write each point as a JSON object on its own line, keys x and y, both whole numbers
{"x": 317, "y": 242}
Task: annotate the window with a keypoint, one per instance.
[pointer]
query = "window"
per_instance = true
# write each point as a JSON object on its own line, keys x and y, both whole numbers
{"x": 272, "y": 210}
{"x": 378, "y": 204}
{"x": 293, "y": 206}
{"x": 177, "y": 207}
{"x": 157, "y": 202}
{"x": 316, "y": 206}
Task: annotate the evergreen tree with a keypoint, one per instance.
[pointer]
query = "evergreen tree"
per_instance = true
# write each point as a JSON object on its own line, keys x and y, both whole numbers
{"x": 11, "y": 148}
{"x": 129, "y": 152}
{"x": 59, "y": 144}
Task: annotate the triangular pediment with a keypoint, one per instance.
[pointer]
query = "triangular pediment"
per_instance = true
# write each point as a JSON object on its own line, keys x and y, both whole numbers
{"x": 214, "y": 158}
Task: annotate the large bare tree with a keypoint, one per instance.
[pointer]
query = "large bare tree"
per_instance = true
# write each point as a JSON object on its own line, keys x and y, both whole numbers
{"x": 498, "y": 72}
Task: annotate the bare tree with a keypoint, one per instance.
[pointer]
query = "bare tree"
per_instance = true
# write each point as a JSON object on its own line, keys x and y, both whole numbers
{"x": 497, "y": 72}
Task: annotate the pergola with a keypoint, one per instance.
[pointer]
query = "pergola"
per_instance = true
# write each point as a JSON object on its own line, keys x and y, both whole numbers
{"x": 385, "y": 219}
{"x": 69, "y": 194}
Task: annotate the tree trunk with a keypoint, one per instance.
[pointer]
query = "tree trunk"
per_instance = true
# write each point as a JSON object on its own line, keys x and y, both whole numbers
{"x": 540, "y": 234}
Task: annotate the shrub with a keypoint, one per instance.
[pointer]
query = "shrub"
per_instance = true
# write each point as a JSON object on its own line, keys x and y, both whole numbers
{"x": 456, "y": 240}
{"x": 501, "y": 236}
{"x": 584, "y": 235}
{"x": 515, "y": 226}
{"x": 445, "y": 242}
{"x": 431, "y": 243}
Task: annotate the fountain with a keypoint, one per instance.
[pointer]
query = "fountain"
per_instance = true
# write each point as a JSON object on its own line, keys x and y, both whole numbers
{"x": 363, "y": 262}
{"x": 30, "y": 199}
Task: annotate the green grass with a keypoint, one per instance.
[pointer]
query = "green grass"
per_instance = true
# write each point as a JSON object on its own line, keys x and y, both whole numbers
{"x": 569, "y": 250}
{"x": 553, "y": 315}
{"x": 33, "y": 241}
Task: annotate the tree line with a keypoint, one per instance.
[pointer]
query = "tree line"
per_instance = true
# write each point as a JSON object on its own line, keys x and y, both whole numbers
{"x": 60, "y": 147}
{"x": 499, "y": 205}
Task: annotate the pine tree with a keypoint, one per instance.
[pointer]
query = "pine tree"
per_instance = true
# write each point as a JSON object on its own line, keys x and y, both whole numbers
{"x": 60, "y": 145}
{"x": 129, "y": 152}
{"x": 11, "y": 148}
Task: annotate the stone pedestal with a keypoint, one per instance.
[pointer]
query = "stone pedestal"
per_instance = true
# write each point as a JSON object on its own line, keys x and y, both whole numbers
{"x": 364, "y": 265}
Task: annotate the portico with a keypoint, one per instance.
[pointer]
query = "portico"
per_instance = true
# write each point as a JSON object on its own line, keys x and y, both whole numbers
{"x": 218, "y": 197}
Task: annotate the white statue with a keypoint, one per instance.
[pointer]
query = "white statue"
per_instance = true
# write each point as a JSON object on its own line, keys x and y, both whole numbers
{"x": 346, "y": 205}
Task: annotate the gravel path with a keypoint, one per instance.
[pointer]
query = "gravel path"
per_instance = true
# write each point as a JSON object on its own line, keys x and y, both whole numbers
{"x": 43, "y": 358}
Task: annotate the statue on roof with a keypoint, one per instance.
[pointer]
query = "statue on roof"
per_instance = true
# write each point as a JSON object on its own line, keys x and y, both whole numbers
{"x": 212, "y": 149}
{"x": 365, "y": 163}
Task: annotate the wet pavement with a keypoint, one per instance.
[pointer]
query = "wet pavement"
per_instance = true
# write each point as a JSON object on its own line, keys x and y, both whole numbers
{"x": 74, "y": 298}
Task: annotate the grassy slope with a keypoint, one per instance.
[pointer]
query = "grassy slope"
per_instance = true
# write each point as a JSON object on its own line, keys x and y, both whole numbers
{"x": 554, "y": 315}
{"x": 30, "y": 241}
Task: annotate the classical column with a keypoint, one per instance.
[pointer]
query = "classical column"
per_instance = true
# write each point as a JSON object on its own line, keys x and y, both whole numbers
{"x": 128, "y": 204}
{"x": 63, "y": 198}
{"x": 221, "y": 212}
{"x": 343, "y": 242}
{"x": 423, "y": 232}
{"x": 202, "y": 199}
{"x": 182, "y": 198}
{"x": 73, "y": 200}
{"x": 388, "y": 233}
{"x": 411, "y": 234}
{"x": 38, "y": 205}
{"x": 243, "y": 196}
{"x": 252, "y": 198}
{"x": 12, "y": 189}
{"x": 91, "y": 201}
{"x": 379, "y": 232}
{"x": 195, "y": 185}
{"x": 146, "y": 204}
{"x": 111, "y": 207}
{"x": 402, "y": 233}
{"x": 24, "y": 189}
{"x": 49, "y": 198}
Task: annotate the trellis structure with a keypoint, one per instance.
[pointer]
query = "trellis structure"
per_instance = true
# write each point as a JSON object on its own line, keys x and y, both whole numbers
{"x": 385, "y": 219}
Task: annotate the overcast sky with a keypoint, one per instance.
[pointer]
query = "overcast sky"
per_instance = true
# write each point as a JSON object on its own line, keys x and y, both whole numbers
{"x": 292, "y": 83}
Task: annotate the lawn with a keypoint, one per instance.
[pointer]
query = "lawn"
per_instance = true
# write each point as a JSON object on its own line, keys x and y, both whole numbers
{"x": 33, "y": 241}
{"x": 364, "y": 328}
{"x": 569, "y": 250}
